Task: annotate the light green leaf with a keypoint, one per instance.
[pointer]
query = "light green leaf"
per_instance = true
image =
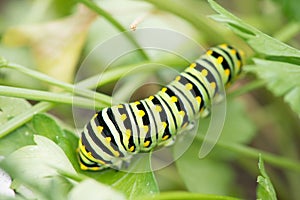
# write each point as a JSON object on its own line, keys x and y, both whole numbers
{"x": 10, "y": 107}
{"x": 283, "y": 79}
{"x": 260, "y": 42}
{"x": 265, "y": 189}
{"x": 92, "y": 190}
{"x": 36, "y": 166}
{"x": 133, "y": 184}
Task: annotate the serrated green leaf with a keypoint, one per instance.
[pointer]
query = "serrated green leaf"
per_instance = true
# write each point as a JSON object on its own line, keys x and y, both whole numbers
{"x": 46, "y": 126}
{"x": 283, "y": 79}
{"x": 260, "y": 42}
{"x": 91, "y": 189}
{"x": 36, "y": 166}
{"x": 265, "y": 189}
{"x": 133, "y": 184}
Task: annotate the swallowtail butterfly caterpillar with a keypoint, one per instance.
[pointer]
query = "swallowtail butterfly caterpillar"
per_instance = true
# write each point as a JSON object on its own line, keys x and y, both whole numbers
{"x": 116, "y": 133}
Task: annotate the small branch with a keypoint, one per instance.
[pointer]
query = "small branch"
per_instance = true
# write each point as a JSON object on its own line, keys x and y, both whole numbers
{"x": 105, "y": 99}
{"x": 93, "y": 6}
{"x": 49, "y": 97}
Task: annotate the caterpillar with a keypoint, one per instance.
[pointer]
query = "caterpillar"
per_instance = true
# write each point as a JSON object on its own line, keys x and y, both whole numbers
{"x": 116, "y": 133}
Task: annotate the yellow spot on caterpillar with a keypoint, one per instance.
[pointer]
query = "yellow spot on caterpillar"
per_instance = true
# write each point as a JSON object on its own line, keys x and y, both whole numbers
{"x": 164, "y": 124}
{"x": 174, "y": 99}
{"x": 123, "y": 117}
{"x": 184, "y": 125}
{"x": 193, "y": 65}
{"x": 177, "y": 78}
{"x": 131, "y": 148}
{"x": 227, "y": 72}
{"x": 202, "y": 109}
{"x": 120, "y": 106}
{"x": 141, "y": 113}
{"x": 117, "y": 154}
{"x": 204, "y": 72}
{"x": 151, "y": 98}
{"x": 188, "y": 86}
{"x": 164, "y": 89}
{"x": 223, "y": 45}
{"x": 242, "y": 53}
{"x": 233, "y": 51}
{"x": 108, "y": 139}
{"x": 198, "y": 99}
{"x": 220, "y": 59}
{"x": 239, "y": 64}
{"x": 83, "y": 167}
{"x": 146, "y": 128}
{"x": 128, "y": 133}
{"x": 95, "y": 115}
{"x": 137, "y": 103}
{"x": 165, "y": 137}
{"x": 182, "y": 113}
{"x": 158, "y": 108}
{"x": 209, "y": 52}
{"x": 99, "y": 129}
{"x": 213, "y": 85}
{"x": 89, "y": 154}
{"x": 146, "y": 143}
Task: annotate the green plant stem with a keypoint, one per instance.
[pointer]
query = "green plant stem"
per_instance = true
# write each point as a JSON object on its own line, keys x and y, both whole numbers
{"x": 179, "y": 195}
{"x": 247, "y": 88}
{"x": 49, "y": 97}
{"x": 93, "y": 6}
{"x": 288, "y": 32}
{"x": 253, "y": 153}
{"x": 105, "y": 99}
{"x": 24, "y": 117}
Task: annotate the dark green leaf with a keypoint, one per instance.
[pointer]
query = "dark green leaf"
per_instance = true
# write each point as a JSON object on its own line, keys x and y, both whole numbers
{"x": 131, "y": 183}
{"x": 265, "y": 189}
{"x": 46, "y": 125}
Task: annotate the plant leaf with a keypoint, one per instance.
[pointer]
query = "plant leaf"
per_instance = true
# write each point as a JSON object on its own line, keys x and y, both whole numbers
{"x": 133, "y": 184}
{"x": 46, "y": 126}
{"x": 283, "y": 79}
{"x": 10, "y": 107}
{"x": 260, "y": 42}
{"x": 91, "y": 189}
{"x": 265, "y": 189}
{"x": 36, "y": 166}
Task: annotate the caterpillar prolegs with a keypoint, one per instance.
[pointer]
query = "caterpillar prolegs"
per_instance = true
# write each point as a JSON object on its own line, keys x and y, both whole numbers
{"x": 116, "y": 133}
